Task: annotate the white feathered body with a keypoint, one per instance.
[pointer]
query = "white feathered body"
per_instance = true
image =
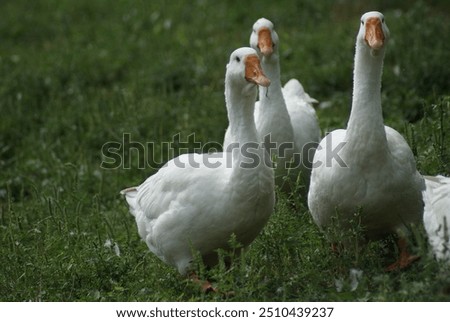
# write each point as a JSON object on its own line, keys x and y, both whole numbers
{"x": 382, "y": 186}
{"x": 436, "y": 216}
{"x": 304, "y": 119}
{"x": 178, "y": 209}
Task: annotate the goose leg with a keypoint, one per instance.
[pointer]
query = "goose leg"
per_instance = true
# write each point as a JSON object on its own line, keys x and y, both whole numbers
{"x": 405, "y": 258}
{"x": 206, "y": 286}
{"x": 336, "y": 248}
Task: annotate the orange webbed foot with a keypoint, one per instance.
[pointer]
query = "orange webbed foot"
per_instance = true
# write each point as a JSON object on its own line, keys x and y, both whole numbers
{"x": 405, "y": 258}
{"x": 205, "y": 285}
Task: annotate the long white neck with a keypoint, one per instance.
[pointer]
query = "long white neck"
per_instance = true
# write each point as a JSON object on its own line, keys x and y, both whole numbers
{"x": 272, "y": 107}
{"x": 240, "y": 106}
{"x": 251, "y": 171}
{"x": 271, "y": 67}
{"x": 366, "y": 124}
{"x": 273, "y": 94}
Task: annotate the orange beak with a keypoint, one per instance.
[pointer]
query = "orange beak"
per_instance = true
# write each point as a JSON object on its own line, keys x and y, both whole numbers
{"x": 374, "y": 36}
{"x": 265, "y": 42}
{"x": 254, "y": 73}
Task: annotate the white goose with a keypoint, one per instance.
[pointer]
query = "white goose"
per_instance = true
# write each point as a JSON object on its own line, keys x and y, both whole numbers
{"x": 198, "y": 201}
{"x": 295, "y": 91}
{"x": 436, "y": 215}
{"x": 287, "y": 115}
{"x": 303, "y": 118}
{"x": 369, "y": 166}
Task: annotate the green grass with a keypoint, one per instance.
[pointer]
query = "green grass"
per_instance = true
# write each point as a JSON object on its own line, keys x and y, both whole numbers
{"x": 78, "y": 74}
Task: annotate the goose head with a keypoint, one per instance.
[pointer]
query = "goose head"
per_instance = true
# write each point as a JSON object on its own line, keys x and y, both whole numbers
{"x": 373, "y": 32}
{"x": 244, "y": 70}
{"x": 264, "y": 38}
